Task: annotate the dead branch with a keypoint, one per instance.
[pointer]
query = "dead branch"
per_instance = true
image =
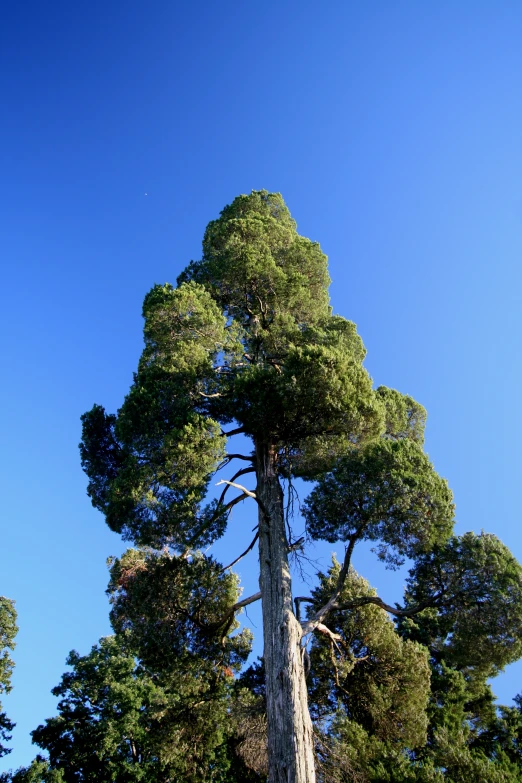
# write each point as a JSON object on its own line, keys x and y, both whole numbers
{"x": 250, "y": 547}
{"x": 238, "y": 486}
{"x": 239, "y": 473}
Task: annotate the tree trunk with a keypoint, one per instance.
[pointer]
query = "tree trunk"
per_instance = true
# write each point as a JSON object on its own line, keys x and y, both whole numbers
{"x": 290, "y": 737}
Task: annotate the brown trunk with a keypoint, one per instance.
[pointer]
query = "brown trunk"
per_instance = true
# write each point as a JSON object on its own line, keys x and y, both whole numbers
{"x": 290, "y": 738}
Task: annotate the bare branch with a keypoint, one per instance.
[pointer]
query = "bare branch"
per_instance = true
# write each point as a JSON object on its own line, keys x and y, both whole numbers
{"x": 229, "y": 457}
{"x": 251, "y": 546}
{"x": 239, "y": 473}
{"x": 246, "y": 602}
{"x": 297, "y": 601}
{"x": 356, "y": 603}
{"x": 246, "y": 491}
{"x": 334, "y": 637}
{"x": 219, "y": 510}
{"x": 237, "y": 486}
{"x": 235, "y": 501}
{"x": 296, "y": 544}
{"x": 321, "y": 614}
{"x": 274, "y": 364}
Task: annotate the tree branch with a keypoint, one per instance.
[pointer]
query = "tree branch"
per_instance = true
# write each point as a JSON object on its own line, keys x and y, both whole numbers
{"x": 341, "y": 579}
{"x": 246, "y": 491}
{"x": 333, "y": 601}
{"x": 246, "y": 602}
{"x": 356, "y": 603}
{"x": 235, "y": 501}
{"x": 220, "y": 510}
{"x": 251, "y": 546}
{"x": 239, "y": 473}
{"x": 374, "y": 599}
{"x": 237, "y": 431}
{"x": 297, "y": 601}
{"x": 334, "y": 637}
{"x": 296, "y": 544}
{"x": 229, "y": 457}
{"x": 237, "y": 486}
{"x": 229, "y": 615}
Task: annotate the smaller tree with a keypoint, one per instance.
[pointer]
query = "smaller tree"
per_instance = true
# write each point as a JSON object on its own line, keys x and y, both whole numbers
{"x": 152, "y": 703}
{"x": 119, "y": 722}
{"x": 8, "y": 631}
{"x": 364, "y": 671}
{"x": 39, "y": 771}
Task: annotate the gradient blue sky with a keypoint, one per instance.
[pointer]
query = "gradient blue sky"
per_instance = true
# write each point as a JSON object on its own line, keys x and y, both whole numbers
{"x": 393, "y": 131}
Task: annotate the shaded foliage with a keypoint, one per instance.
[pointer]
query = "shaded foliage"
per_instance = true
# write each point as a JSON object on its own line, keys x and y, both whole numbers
{"x": 367, "y": 671}
{"x": 177, "y": 611}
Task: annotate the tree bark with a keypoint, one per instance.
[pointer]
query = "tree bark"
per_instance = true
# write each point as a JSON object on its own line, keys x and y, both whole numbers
{"x": 290, "y": 736}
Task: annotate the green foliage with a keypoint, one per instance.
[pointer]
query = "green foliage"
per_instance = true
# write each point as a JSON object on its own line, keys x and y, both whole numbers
{"x": 8, "y": 631}
{"x": 152, "y": 703}
{"x": 184, "y": 331}
{"x": 404, "y": 417}
{"x": 316, "y": 387}
{"x": 176, "y": 612}
{"x": 501, "y": 735}
{"x": 368, "y": 673}
{"x": 39, "y": 771}
{"x": 120, "y": 722}
{"x": 349, "y": 754}
{"x": 259, "y": 270}
{"x": 476, "y": 585}
{"x": 154, "y": 495}
{"x": 386, "y": 492}
{"x": 462, "y": 764}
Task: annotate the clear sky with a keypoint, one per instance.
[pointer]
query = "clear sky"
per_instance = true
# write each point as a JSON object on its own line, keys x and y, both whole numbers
{"x": 394, "y": 133}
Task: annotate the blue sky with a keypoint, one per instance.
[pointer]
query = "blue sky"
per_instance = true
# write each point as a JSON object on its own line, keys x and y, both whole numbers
{"x": 393, "y": 131}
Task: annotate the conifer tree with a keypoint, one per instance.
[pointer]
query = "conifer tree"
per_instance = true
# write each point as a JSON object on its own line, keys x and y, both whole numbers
{"x": 247, "y": 343}
{"x": 119, "y": 720}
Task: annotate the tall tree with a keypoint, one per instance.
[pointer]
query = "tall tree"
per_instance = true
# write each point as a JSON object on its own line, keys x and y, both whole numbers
{"x": 8, "y": 631}
{"x": 247, "y": 344}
